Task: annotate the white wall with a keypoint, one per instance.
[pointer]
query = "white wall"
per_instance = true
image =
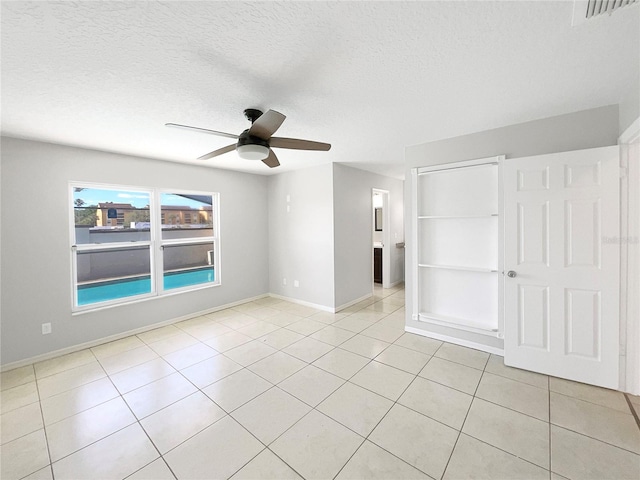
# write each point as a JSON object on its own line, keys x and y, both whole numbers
{"x": 301, "y": 239}
{"x": 580, "y": 130}
{"x": 353, "y": 224}
{"x": 36, "y": 265}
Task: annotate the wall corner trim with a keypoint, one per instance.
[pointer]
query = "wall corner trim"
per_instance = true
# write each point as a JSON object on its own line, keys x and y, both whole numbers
{"x": 631, "y": 133}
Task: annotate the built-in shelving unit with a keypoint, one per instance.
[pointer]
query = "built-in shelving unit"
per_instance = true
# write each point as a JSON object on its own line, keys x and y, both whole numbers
{"x": 457, "y": 246}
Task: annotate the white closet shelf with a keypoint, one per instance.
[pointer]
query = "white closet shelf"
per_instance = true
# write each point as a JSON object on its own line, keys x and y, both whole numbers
{"x": 422, "y": 217}
{"x": 457, "y": 267}
{"x": 459, "y": 323}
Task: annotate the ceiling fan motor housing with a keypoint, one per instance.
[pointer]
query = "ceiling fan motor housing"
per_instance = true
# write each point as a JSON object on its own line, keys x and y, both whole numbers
{"x": 251, "y": 147}
{"x": 246, "y": 139}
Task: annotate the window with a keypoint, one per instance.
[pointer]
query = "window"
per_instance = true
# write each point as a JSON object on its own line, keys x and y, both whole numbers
{"x": 136, "y": 243}
{"x": 188, "y": 249}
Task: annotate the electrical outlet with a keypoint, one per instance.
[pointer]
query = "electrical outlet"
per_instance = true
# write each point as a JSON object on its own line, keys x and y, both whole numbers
{"x": 284, "y": 281}
{"x": 288, "y": 198}
{"x": 288, "y": 208}
{"x": 46, "y": 328}
{"x": 296, "y": 283}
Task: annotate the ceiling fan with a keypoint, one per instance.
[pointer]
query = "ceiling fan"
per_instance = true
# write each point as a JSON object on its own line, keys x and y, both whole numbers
{"x": 256, "y": 142}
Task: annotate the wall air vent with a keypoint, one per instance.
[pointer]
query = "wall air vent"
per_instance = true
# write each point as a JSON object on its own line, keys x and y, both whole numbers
{"x": 584, "y": 10}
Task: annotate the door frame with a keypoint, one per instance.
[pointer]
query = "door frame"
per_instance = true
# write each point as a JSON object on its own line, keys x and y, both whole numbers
{"x": 629, "y": 143}
{"x": 386, "y": 236}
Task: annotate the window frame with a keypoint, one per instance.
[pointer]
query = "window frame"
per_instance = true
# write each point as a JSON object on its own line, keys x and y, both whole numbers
{"x": 213, "y": 239}
{"x": 155, "y": 245}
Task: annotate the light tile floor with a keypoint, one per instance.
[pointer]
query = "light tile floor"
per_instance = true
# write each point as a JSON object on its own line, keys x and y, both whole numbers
{"x": 271, "y": 389}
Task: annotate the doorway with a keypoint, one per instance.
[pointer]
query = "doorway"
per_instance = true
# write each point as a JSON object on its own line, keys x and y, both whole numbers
{"x": 380, "y": 238}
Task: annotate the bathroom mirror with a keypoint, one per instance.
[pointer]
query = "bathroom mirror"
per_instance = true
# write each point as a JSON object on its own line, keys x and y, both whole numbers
{"x": 378, "y": 216}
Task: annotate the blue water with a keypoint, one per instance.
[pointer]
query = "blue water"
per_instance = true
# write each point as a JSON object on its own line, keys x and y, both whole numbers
{"x": 112, "y": 290}
{"x": 192, "y": 277}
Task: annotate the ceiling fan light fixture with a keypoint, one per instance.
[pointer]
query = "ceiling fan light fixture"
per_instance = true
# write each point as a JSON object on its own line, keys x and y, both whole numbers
{"x": 252, "y": 152}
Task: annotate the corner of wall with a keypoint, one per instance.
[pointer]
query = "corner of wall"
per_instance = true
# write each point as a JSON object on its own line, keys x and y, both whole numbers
{"x": 629, "y": 108}
{"x": 301, "y": 235}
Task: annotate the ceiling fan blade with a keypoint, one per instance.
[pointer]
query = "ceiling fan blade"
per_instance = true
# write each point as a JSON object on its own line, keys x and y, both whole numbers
{"x": 218, "y": 152}
{"x": 267, "y": 124}
{"x": 298, "y": 144}
{"x": 202, "y": 130}
{"x": 271, "y": 161}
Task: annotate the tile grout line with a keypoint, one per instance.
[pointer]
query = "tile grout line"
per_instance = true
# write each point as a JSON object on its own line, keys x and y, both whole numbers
{"x": 376, "y": 426}
{"x": 549, "y": 410}
{"x": 395, "y": 402}
{"x": 520, "y": 381}
{"x": 633, "y": 410}
{"x": 99, "y": 439}
{"x": 121, "y": 396}
{"x": 266, "y": 447}
{"x": 466, "y": 415}
{"x": 596, "y": 439}
{"x": 580, "y": 399}
{"x": 44, "y": 430}
{"x": 139, "y": 424}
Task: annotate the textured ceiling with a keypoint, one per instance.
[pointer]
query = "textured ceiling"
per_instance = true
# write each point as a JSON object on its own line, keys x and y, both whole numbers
{"x": 368, "y": 77}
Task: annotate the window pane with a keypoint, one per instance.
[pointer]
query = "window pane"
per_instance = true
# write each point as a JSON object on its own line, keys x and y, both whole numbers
{"x": 109, "y": 274}
{"x": 105, "y": 216}
{"x": 186, "y": 216}
{"x": 188, "y": 265}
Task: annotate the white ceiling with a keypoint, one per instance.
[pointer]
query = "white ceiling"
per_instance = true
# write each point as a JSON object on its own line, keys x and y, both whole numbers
{"x": 368, "y": 77}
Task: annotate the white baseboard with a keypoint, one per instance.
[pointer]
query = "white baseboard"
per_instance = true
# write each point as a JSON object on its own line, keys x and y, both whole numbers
{"x": 353, "y": 302}
{"x": 397, "y": 282}
{"x": 457, "y": 341}
{"x": 303, "y": 302}
{"x": 118, "y": 336}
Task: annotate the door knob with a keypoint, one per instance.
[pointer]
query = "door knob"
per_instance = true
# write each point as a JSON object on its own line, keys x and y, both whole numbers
{"x": 511, "y": 274}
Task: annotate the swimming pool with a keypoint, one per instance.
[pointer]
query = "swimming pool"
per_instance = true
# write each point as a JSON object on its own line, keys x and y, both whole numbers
{"x": 129, "y": 287}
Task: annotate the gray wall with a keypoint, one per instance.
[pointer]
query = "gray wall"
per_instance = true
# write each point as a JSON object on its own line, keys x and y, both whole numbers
{"x": 301, "y": 240}
{"x": 36, "y": 258}
{"x": 353, "y": 225}
{"x": 575, "y": 131}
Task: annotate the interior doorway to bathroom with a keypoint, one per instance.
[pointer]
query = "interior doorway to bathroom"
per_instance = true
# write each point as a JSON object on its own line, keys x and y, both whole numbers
{"x": 380, "y": 237}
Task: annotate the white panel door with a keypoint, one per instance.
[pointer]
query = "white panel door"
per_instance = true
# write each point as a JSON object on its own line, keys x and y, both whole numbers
{"x": 562, "y": 263}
